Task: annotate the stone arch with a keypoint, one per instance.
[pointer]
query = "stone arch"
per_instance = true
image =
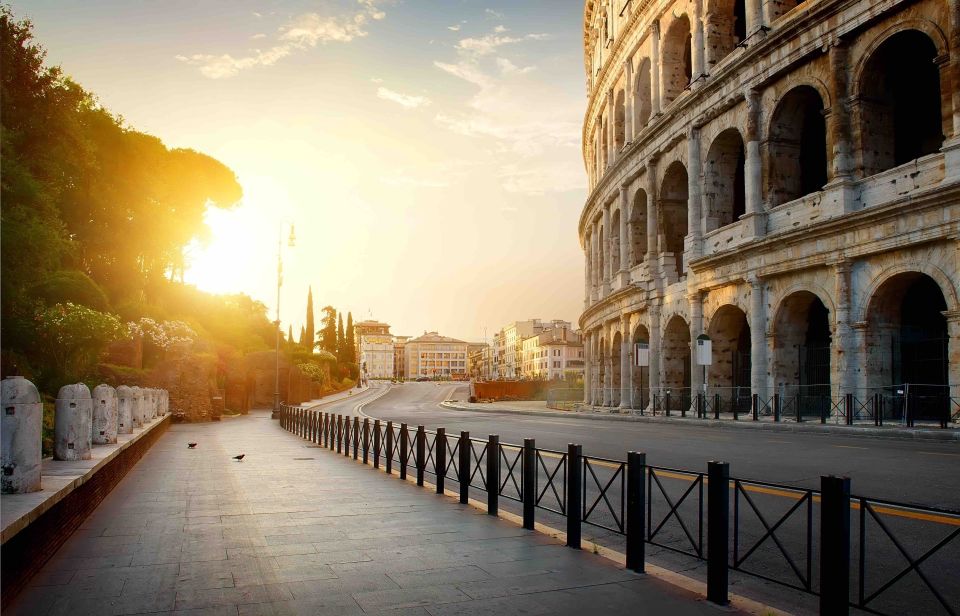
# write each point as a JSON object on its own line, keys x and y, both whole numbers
{"x": 616, "y": 351}
{"x": 900, "y": 102}
{"x": 673, "y": 212}
{"x": 641, "y": 374}
{"x": 907, "y": 341}
{"x": 729, "y": 374}
{"x": 615, "y": 240}
{"x": 619, "y": 121}
{"x": 675, "y": 361}
{"x": 676, "y": 59}
{"x": 943, "y": 279}
{"x": 638, "y": 227}
{"x": 643, "y": 102}
{"x": 724, "y": 188}
{"x": 725, "y": 27}
{"x": 802, "y": 358}
{"x": 796, "y": 146}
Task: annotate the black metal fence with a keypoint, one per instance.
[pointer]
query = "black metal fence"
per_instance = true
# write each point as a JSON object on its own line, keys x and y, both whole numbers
{"x": 849, "y": 551}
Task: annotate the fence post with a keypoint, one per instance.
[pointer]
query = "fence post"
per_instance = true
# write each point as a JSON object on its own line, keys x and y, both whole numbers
{"x": 718, "y": 531}
{"x": 356, "y": 437}
{"x": 755, "y": 406}
{"x": 878, "y": 409}
{"x": 329, "y": 437}
{"x": 366, "y": 440}
{"x": 376, "y": 443}
{"x": 834, "y": 545}
{"x": 848, "y": 405}
{"x": 716, "y": 406}
{"x": 528, "y": 482}
{"x": 389, "y": 447}
{"x": 796, "y": 407}
{"x": 440, "y": 458}
{"x": 574, "y": 503}
{"x": 421, "y": 453}
{"x": 636, "y": 510}
{"x": 339, "y": 433}
{"x": 777, "y": 407}
{"x": 493, "y": 474}
{"x": 404, "y": 450}
{"x": 466, "y": 449}
{"x": 666, "y": 404}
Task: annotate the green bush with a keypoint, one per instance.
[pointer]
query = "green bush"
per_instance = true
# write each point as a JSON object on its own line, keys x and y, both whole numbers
{"x": 70, "y": 286}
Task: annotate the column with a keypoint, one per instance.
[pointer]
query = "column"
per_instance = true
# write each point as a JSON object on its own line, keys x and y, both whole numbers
{"x": 845, "y": 361}
{"x": 697, "y": 378}
{"x": 629, "y": 99}
{"x": 597, "y": 362}
{"x": 608, "y": 363}
{"x": 595, "y": 270}
{"x": 655, "y": 102}
{"x": 587, "y": 371}
{"x": 655, "y": 339}
{"x": 696, "y": 60}
{"x": 626, "y": 366}
{"x": 624, "y": 273}
{"x": 755, "y": 224}
{"x": 611, "y": 129}
{"x": 607, "y": 251}
{"x": 951, "y": 146}
{"x": 838, "y": 128}
{"x": 652, "y": 230}
{"x": 754, "y": 17}
{"x": 953, "y": 350}
{"x": 694, "y": 219}
{"x": 586, "y": 272}
{"x": 758, "y": 338}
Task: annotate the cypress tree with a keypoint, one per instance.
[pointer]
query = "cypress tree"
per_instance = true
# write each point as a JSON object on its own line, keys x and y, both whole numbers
{"x": 328, "y": 335}
{"x": 341, "y": 343}
{"x": 311, "y": 331}
{"x": 290, "y": 336}
{"x": 351, "y": 343}
{"x": 303, "y": 336}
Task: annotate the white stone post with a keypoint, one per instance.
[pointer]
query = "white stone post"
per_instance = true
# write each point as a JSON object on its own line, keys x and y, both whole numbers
{"x": 125, "y": 404}
{"x": 138, "y": 412}
{"x": 104, "y": 415}
{"x": 21, "y": 431}
{"x": 73, "y": 423}
{"x": 626, "y": 372}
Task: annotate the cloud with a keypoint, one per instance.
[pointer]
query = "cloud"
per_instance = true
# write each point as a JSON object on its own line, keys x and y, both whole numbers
{"x": 509, "y": 68}
{"x": 304, "y": 31}
{"x": 494, "y": 14}
{"x": 466, "y": 71}
{"x": 404, "y": 100}
{"x": 258, "y": 36}
{"x": 542, "y": 179}
{"x": 500, "y": 29}
{"x": 488, "y": 44}
{"x": 401, "y": 178}
{"x": 455, "y": 27}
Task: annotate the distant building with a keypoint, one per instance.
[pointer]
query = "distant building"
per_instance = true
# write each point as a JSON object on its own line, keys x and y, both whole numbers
{"x": 434, "y": 356}
{"x": 552, "y": 354}
{"x": 400, "y": 356}
{"x": 478, "y": 360}
{"x": 509, "y": 340}
{"x": 376, "y": 355}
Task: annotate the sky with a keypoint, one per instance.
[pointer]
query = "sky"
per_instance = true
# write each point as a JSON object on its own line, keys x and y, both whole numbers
{"x": 427, "y": 152}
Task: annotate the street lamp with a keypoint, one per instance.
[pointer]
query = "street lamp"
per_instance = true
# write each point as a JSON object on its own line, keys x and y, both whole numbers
{"x": 291, "y": 242}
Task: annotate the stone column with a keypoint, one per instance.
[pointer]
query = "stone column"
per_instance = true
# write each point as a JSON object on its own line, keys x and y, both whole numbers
{"x": 754, "y": 221}
{"x": 626, "y": 366}
{"x": 694, "y": 219}
{"x": 844, "y": 352}
{"x": 696, "y": 59}
{"x": 587, "y": 371}
{"x": 595, "y": 257}
{"x": 624, "y": 273}
{"x": 607, "y": 251}
{"x": 754, "y": 17}
{"x": 597, "y": 362}
{"x": 838, "y": 129}
{"x": 652, "y": 230}
{"x": 696, "y": 328}
{"x": 758, "y": 338}
{"x": 951, "y": 146}
{"x": 22, "y": 426}
{"x": 611, "y": 129}
{"x": 655, "y": 69}
{"x": 953, "y": 350}
{"x": 655, "y": 339}
{"x": 586, "y": 272}
{"x": 629, "y": 99}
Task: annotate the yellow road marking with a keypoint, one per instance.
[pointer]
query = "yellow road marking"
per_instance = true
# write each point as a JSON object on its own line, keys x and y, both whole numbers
{"x": 881, "y": 509}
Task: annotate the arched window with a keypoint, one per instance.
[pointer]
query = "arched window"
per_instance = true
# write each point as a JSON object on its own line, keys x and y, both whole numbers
{"x": 673, "y": 212}
{"x": 676, "y": 59}
{"x": 619, "y": 125}
{"x": 725, "y": 28}
{"x": 642, "y": 97}
{"x": 796, "y": 147}
{"x": 900, "y": 102}
{"x": 638, "y": 227}
{"x": 723, "y": 181}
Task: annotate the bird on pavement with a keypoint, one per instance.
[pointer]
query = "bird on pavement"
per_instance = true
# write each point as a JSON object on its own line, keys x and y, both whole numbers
{"x": 239, "y": 458}
{"x": 191, "y": 445}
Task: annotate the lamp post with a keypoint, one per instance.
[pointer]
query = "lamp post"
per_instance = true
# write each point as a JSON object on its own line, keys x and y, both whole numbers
{"x": 291, "y": 242}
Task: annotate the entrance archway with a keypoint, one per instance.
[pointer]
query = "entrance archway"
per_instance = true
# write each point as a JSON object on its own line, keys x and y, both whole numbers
{"x": 801, "y": 352}
{"x": 641, "y": 374}
{"x": 616, "y": 352}
{"x": 729, "y": 374}
{"x": 675, "y": 359}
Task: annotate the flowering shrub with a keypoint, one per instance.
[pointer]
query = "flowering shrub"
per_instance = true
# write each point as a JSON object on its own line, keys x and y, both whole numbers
{"x": 165, "y": 335}
{"x": 74, "y": 336}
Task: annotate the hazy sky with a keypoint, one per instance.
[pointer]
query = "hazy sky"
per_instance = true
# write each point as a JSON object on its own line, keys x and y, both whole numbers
{"x": 428, "y": 151}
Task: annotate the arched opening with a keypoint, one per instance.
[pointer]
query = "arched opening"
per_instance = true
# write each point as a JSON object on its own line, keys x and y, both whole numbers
{"x": 676, "y": 59}
{"x": 723, "y": 181}
{"x": 797, "y": 147}
{"x": 616, "y": 351}
{"x": 801, "y": 350}
{"x": 900, "y": 102}
{"x": 641, "y": 374}
{"x": 619, "y": 122}
{"x": 615, "y": 241}
{"x": 907, "y": 342}
{"x": 673, "y": 213}
{"x": 675, "y": 359}
{"x": 638, "y": 227}
{"x": 725, "y": 28}
{"x": 642, "y": 99}
{"x": 729, "y": 374}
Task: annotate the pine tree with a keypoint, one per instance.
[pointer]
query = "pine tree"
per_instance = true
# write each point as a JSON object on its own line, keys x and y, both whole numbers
{"x": 341, "y": 343}
{"x": 351, "y": 342}
{"x": 311, "y": 332}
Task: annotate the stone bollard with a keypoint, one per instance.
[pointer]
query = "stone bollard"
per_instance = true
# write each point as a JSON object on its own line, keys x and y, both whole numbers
{"x": 137, "y": 407}
{"x": 104, "y": 415}
{"x": 124, "y": 410}
{"x": 164, "y": 401}
{"x": 20, "y": 433}
{"x": 73, "y": 424}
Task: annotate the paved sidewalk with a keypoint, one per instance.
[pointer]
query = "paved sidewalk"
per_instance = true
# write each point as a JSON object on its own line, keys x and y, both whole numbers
{"x": 539, "y": 407}
{"x": 295, "y": 529}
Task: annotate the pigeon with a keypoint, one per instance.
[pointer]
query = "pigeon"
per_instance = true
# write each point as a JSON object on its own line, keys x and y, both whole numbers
{"x": 239, "y": 458}
{"x": 191, "y": 445}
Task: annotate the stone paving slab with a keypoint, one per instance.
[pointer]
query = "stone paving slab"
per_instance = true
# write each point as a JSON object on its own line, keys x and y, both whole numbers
{"x": 296, "y": 529}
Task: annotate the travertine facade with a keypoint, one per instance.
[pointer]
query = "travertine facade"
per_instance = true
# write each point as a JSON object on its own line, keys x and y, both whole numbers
{"x": 783, "y": 177}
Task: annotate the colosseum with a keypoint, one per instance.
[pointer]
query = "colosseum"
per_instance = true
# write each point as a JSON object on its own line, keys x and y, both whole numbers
{"x": 774, "y": 186}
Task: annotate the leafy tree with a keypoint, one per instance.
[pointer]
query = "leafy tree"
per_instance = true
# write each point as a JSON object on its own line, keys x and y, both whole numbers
{"x": 310, "y": 333}
{"x": 72, "y": 338}
{"x": 328, "y": 332}
{"x": 70, "y": 286}
{"x": 341, "y": 341}
{"x": 351, "y": 356}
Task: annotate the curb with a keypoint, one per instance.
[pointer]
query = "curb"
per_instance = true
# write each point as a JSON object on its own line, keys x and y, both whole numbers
{"x": 948, "y": 435}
